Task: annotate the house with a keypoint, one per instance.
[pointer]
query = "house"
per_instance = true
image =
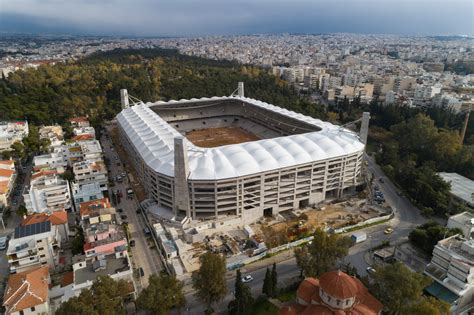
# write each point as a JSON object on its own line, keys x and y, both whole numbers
{"x": 7, "y": 180}
{"x": 334, "y": 293}
{"x": 27, "y": 292}
{"x": 57, "y": 218}
{"x": 47, "y": 192}
{"x": 34, "y": 245}
{"x": 84, "y": 131}
{"x": 463, "y": 221}
{"x": 79, "y": 122}
{"x": 54, "y": 134}
{"x": 85, "y": 192}
{"x": 90, "y": 210}
{"x": 11, "y": 132}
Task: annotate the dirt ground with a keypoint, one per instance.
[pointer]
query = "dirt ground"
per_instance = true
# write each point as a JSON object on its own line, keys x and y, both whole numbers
{"x": 215, "y": 137}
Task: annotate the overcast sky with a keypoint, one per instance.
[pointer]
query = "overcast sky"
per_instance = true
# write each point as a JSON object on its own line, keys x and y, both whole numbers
{"x": 223, "y": 17}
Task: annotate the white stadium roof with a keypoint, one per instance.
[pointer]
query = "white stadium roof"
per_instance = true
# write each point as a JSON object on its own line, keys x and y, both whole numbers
{"x": 153, "y": 138}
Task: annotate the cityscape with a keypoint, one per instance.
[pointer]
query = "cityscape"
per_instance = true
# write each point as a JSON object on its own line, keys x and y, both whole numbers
{"x": 291, "y": 168}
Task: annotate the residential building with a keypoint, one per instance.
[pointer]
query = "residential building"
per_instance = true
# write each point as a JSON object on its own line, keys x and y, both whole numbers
{"x": 11, "y": 132}
{"x": 34, "y": 245}
{"x": 79, "y": 122}
{"x": 87, "y": 172}
{"x": 452, "y": 268}
{"x": 334, "y": 293}
{"x": 57, "y": 218}
{"x": 91, "y": 209}
{"x": 28, "y": 292}
{"x": 54, "y": 160}
{"x": 53, "y": 133}
{"x": 462, "y": 189}
{"x": 47, "y": 192}
{"x": 7, "y": 180}
{"x": 463, "y": 221}
{"x": 91, "y": 150}
{"x": 85, "y": 192}
{"x": 84, "y": 131}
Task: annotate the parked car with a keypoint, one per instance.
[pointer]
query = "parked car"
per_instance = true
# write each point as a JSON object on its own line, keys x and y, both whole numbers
{"x": 247, "y": 278}
{"x": 138, "y": 211}
{"x": 142, "y": 273}
{"x": 119, "y": 210}
{"x": 3, "y": 242}
{"x": 388, "y": 230}
{"x": 146, "y": 231}
{"x": 381, "y": 180}
{"x": 132, "y": 243}
{"x": 123, "y": 217}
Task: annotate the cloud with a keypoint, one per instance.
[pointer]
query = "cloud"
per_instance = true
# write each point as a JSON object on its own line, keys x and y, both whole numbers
{"x": 213, "y": 17}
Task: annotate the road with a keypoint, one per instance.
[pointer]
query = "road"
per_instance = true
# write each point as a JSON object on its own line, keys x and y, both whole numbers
{"x": 142, "y": 256}
{"x": 406, "y": 218}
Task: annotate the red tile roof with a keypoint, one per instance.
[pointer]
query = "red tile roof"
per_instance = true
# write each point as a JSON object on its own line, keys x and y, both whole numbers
{"x": 83, "y": 137}
{"x": 56, "y": 218}
{"x": 317, "y": 310}
{"x": 6, "y": 173}
{"x": 27, "y": 289}
{"x": 88, "y": 206}
{"x": 339, "y": 284}
{"x": 307, "y": 288}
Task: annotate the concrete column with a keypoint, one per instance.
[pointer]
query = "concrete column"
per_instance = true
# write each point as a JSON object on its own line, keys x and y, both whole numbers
{"x": 240, "y": 90}
{"x": 124, "y": 98}
{"x": 364, "y": 127}
{"x": 181, "y": 172}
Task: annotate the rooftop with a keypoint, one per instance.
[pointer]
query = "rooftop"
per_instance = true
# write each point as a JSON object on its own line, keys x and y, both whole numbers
{"x": 461, "y": 187}
{"x": 27, "y": 289}
{"x": 32, "y": 229}
{"x": 110, "y": 266}
{"x": 154, "y": 138}
{"x": 56, "y": 218}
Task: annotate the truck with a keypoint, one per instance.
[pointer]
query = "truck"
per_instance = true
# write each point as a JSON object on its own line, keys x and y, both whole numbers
{"x": 358, "y": 237}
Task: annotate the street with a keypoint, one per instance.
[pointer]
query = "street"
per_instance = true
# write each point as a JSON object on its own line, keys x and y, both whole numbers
{"x": 142, "y": 256}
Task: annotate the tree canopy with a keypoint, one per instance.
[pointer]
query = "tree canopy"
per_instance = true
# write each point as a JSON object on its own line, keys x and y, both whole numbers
{"x": 243, "y": 302}
{"x": 322, "y": 255}
{"x": 163, "y": 293}
{"x": 209, "y": 281}
{"x": 427, "y": 235}
{"x": 106, "y": 296}
{"x": 401, "y": 291}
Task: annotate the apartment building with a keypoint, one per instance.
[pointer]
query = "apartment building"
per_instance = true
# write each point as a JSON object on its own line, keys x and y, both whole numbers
{"x": 88, "y": 172}
{"x": 53, "y": 133}
{"x": 79, "y": 122}
{"x": 7, "y": 180}
{"x": 452, "y": 268}
{"x": 85, "y": 192}
{"x": 11, "y": 132}
{"x": 84, "y": 131}
{"x": 463, "y": 221}
{"x": 91, "y": 150}
{"x": 47, "y": 192}
{"x": 34, "y": 245}
{"x": 57, "y": 218}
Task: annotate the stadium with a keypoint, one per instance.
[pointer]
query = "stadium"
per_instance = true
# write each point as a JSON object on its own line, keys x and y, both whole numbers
{"x": 211, "y": 158}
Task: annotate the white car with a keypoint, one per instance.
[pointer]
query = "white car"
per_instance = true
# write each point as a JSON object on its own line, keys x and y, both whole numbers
{"x": 247, "y": 279}
{"x": 370, "y": 270}
{"x": 3, "y": 242}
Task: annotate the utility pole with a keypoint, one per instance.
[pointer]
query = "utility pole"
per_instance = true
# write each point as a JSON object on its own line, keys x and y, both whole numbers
{"x": 466, "y": 121}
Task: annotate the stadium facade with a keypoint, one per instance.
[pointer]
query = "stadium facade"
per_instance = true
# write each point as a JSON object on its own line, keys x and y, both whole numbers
{"x": 296, "y": 160}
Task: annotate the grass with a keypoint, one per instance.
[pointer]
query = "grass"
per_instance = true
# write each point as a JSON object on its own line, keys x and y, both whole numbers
{"x": 367, "y": 225}
{"x": 263, "y": 307}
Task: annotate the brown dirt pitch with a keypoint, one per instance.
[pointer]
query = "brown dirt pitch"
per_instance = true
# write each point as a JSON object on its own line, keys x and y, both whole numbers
{"x": 216, "y": 137}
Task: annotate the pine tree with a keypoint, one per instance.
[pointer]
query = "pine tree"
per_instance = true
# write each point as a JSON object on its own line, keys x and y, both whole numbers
{"x": 243, "y": 302}
{"x": 274, "y": 282}
{"x": 267, "y": 283}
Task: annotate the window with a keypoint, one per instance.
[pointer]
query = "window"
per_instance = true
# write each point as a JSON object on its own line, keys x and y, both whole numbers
{"x": 33, "y": 309}
{"x": 338, "y": 302}
{"x": 41, "y": 248}
{"x": 21, "y": 313}
{"x": 329, "y": 298}
{"x": 347, "y": 302}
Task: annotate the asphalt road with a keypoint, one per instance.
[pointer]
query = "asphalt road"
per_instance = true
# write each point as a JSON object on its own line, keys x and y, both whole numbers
{"x": 142, "y": 256}
{"x": 405, "y": 219}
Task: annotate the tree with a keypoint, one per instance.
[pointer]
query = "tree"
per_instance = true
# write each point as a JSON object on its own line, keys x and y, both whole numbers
{"x": 21, "y": 211}
{"x": 163, "y": 293}
{"x": 106, "y": 296}
{"x": 397, "y": 287}
{"x": 274, "y": 281}
{"x": 267, "y": 283}
{"x": 322, "y": 254}
{"x": 243, "y": 302}
{"x": 427, "y": 305}
{"x": 77, "y": 246}
{"x": 6, "y": 155}
{"x": 427, "y": 235}
{"x": 209, "y": 281}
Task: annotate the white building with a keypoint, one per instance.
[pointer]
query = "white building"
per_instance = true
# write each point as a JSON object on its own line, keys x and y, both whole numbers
{"x": 7, "y": 180}
{"x": 87, "y": 172}
{"x": 463, "y": 221}
{"x": 462, "y": 189}
{"x": 47, "y": 192}
{"x": 91, "y": 150}
{"x": 86, "y": 192}
{"x": 11, "y": 132}
{"x": 34, "y": 245}
{"x": 452, "y": 266}
{"x": 53, "y": 133}
{"x": 53, "y": 160}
